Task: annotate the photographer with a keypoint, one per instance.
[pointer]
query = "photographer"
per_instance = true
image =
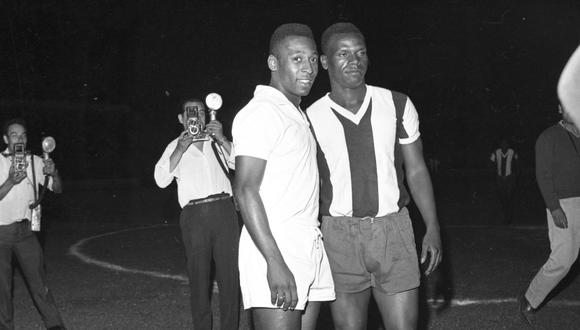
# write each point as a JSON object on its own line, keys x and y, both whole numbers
{"x": 208, "y": 221}
{"x": 19, "y": 179}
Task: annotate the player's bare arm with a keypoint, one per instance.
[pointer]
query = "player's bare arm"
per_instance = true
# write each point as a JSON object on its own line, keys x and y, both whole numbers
{"x": 249, "y": 175}
{"x": 421, "y": 189}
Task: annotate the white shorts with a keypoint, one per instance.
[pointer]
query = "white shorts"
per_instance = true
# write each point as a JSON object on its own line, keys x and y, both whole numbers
{"x": 304, "y": 254}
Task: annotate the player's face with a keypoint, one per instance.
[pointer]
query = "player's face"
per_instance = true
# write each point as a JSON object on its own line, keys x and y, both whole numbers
{"x": 16, "y": 134}
{"x": 295, "y": 67}
{"x": 346, "y": 61}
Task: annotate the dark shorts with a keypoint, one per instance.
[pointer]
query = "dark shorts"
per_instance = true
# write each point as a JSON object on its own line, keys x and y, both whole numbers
{"x": 372, "y": 252}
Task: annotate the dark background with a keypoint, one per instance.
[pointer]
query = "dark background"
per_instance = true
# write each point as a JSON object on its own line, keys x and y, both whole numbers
{"x": 104, "y": 77}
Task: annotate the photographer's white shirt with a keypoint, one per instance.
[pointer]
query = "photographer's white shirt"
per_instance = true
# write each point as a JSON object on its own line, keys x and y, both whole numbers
{"x": 14, "y": 206}
{"x": 198, "y": 174}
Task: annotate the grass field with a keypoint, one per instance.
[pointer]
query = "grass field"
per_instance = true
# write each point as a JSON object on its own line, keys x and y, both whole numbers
{"x": 115, "y": 261}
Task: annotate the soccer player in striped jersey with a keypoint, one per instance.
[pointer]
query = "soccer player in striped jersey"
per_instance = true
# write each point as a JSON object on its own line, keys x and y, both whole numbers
{"x": 368, "y": 140}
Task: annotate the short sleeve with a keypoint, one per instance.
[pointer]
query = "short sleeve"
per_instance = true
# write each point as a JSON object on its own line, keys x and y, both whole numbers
{"x": 410, "y": 124}
{"x": 256, "y": 131}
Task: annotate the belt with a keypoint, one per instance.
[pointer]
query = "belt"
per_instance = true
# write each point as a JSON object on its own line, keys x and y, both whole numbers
{"x": 209, "y": 199}
{"x": 372, "y": 219}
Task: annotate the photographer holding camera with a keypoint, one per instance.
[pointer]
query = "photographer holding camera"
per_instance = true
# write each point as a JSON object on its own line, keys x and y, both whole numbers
{"x": 20, "y": 175}
{"x": 209, "y": 223}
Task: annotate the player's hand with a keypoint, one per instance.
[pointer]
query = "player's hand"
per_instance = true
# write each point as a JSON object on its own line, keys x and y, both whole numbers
{"x": 16, "y": 176}
{"x": 215, "y": 129}
{"x": 431, "y": 250}
{"x": 282, "y": 286}
{"x": 49, "y": 167}
{"x": 560, "y": 219}
{"x": 184, "y": 141}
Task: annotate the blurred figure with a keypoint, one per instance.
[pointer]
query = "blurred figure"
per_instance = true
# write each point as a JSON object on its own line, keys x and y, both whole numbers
{"x": 558, "y": 176}
{"x": 569, "y": 87}
{"x": 505, "y": 159}
{"x": 284, "y": 270}
{"x": 18, "y": 190}
{"x": 208, "y": 221}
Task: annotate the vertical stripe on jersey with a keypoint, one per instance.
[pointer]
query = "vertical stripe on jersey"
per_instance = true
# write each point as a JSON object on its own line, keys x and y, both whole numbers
{"x": 400, "y": 100}
{"x": 324, "y": 175}
{"x": 363, "y": 164}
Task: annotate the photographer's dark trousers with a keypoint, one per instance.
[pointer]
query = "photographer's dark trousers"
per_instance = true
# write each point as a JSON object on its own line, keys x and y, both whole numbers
{"x": 210, "y": 231}
{"x": 18, "y": 240}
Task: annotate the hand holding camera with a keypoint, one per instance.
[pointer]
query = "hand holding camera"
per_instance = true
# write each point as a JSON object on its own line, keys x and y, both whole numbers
{"x": 16, "y": 176}
{"x": 184, "y": 141}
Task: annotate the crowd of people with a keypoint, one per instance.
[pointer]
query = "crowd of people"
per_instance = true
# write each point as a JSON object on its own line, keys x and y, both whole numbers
{"x": 321, "y": 192}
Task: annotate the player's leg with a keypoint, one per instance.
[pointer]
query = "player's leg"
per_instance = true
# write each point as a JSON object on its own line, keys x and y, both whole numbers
{"x": 397, "y": 278}
{"x": 349, "y": 310}
{"x": 400, "y": 310}
{"x": 344, "y": 242}
{"x": 310, "y": 315}
{"x": 278, "y": 319}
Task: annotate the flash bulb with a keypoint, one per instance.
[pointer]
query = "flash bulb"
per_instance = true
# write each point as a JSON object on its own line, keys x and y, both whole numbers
{"x": 213, "y": 101}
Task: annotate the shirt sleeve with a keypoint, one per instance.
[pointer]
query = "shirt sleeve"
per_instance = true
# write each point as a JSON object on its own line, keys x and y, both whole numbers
{"x": 544, "y": 175}
{"x": 163, "y": 177}
{"x": 256, "y": 131}
{"x": 410, "y": 124}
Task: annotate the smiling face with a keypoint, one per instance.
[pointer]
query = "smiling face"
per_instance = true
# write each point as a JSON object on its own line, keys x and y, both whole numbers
{"x": 346, "y": 61}
{"x": 294, "y": 67}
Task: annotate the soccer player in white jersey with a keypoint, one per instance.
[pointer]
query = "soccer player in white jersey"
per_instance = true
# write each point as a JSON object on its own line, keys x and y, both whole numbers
{"x": 284, "y": 271}
{"x": 368, "y": 140}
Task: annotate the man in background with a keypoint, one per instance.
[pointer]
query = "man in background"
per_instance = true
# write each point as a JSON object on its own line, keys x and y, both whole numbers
{"x": 208, "y": 221}
{"x": 558, "y": 176}
{"x": 17, "y": 192}
{"x": 504, "y": 159}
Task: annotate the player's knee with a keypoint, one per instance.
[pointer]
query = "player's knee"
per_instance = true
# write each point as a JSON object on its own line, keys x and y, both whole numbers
{"x": 350, "y": 320}
{"x": 352, "y": 323}
{"x": 401, "y": 321}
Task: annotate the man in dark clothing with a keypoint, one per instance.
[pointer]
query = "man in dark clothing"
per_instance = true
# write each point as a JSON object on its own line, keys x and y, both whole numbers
{"x": 558, "y": 176}
{"x": 505, "y": 158}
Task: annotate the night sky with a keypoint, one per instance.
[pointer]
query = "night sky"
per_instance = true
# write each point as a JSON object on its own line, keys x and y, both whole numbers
{"x": 105, "y": 77}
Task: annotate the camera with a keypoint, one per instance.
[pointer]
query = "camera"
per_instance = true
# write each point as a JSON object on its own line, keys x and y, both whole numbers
{"x": 196, "y": 123}
{"x": 19, "y": 160}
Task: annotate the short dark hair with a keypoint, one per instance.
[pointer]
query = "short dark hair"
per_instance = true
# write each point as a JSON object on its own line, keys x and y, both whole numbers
{"x": 11, "y": 122}
{"x": 338, "y": 28}
{"x": 286, "y": 30}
